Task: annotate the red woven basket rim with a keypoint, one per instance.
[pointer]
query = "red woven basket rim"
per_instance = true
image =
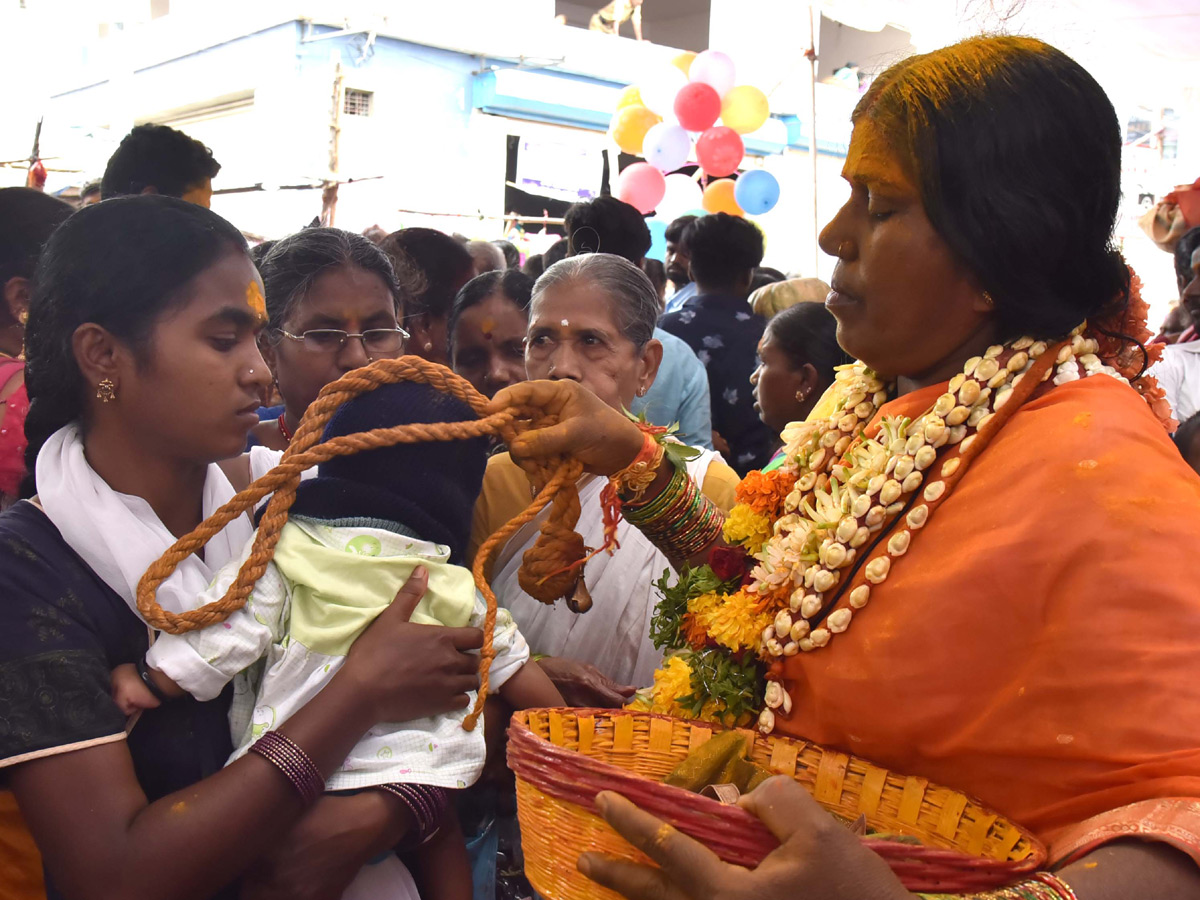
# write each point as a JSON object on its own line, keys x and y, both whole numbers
{"x": 733, "y": 834}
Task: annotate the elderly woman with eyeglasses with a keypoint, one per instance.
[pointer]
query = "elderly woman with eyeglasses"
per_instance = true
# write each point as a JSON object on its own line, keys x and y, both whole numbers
{"x": 333, "y": 304}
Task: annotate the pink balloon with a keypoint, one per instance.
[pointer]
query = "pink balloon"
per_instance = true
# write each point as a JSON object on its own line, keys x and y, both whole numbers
{"x": 641, "y": 186}
{"x": 714, "y": 68}
{"x": 719, "y": 151}
{"x": 697, "y": 106}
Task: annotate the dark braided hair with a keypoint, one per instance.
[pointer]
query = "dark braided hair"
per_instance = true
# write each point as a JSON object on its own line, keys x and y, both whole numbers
{"x": 120, "y": 264}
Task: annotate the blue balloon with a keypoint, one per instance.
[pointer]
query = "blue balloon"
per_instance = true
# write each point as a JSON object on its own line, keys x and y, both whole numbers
{"x": 756, "y": 192}
{"x": 658, "y": 240}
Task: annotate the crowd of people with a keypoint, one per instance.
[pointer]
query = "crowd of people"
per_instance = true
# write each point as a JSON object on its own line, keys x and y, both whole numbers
{"x": 1037, "y": 647}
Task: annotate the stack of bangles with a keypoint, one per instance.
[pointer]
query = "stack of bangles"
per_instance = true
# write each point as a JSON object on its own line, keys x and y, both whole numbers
{"x": 426, "y": 803}
{"x": 681, "y": 521}
{"x": 1042, "y": 886}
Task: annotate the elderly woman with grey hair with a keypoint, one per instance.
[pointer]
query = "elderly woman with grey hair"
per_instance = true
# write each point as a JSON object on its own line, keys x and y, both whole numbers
{"x": 591, "y": 321}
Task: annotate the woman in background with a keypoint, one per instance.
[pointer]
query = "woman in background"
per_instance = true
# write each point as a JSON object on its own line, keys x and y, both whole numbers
{"x": 487, "y": 326}
{"x": 333, "y": 304}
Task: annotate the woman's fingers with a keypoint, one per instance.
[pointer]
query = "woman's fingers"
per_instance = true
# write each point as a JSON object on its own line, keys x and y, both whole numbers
{"x": 785, "y": 807}
{"x": 549, "y": 396}
{"x": 608, "y": 691}
{"x": 409, "y": 595}
{"x": 632, "y": 880}
{"x": 553, "y": 440}
{"x": 460, "y": 684}
{"x": 465, "y": 638}
{"x": 689, "y": 865}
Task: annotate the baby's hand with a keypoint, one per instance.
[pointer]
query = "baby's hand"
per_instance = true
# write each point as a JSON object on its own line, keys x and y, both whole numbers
{"x": 128, "y": 691}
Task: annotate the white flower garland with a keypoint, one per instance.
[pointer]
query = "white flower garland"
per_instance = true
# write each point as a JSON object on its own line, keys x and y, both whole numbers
{"x": 850, "y": 488}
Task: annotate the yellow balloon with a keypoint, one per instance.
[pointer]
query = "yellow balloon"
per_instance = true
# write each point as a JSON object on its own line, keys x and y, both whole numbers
{"x": 631, "y": 96}
{"x": 718, "y": 198}
{"x": 745, "y": 109}
{"x": 629, "y": 127}
{"x": 683, "y": 62}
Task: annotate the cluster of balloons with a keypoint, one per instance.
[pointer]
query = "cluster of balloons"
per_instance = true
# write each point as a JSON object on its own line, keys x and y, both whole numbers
{"x": 657, "y": 120}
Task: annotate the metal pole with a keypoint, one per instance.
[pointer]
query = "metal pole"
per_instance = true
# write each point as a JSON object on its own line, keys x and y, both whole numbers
{"x": 812, "y": 131}
{"x": 329, "y": 194}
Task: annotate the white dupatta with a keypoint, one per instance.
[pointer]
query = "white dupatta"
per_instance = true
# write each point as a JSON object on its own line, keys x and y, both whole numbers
{"x": 119, "y": 535}
{"x": 614, "y": 635}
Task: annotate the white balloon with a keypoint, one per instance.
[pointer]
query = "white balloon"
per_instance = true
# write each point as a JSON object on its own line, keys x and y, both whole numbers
{"x": 667, "y": 146}
{"x": 715, "y": 69}
{"x": 659, "y": 87}
{"x": 682, "y": 195}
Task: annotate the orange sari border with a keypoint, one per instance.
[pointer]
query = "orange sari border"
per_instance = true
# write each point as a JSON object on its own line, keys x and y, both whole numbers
{"x": 1172, "y": 820}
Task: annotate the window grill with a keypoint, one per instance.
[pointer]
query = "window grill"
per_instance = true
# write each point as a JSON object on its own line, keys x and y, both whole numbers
{"x": 357, "y": 103}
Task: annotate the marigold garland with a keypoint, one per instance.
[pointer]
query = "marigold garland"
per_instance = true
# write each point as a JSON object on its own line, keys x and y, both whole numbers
{"x": 746, "y": 527}
{"x": 735, "y": 621}
{"x": 764, "y": 492}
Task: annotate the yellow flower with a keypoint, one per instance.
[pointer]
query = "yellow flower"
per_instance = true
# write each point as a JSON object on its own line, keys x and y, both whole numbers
{"x": 703, "y": 603}
{"x": 746, "y": 527}
{"x": 736, "y": 622}
{"x": 672, "y": 681}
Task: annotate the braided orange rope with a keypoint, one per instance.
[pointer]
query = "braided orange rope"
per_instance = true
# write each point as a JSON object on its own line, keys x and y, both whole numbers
{"x": 550, "y": 569}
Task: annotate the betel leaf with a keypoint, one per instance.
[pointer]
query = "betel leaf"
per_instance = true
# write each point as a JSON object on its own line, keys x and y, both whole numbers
{"x": 680, "y": 454}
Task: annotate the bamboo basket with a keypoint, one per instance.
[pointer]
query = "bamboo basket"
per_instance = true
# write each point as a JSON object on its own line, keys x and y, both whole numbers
{"x": 563, "y": 758}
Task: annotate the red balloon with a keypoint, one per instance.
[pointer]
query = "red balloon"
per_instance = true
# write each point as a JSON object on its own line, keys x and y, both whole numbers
{"x": 697, "y": 106}
{"x": 719, "y": 151}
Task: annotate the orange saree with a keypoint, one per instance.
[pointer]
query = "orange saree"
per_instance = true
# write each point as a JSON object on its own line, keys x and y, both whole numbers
{"x": 1039, "y": 645}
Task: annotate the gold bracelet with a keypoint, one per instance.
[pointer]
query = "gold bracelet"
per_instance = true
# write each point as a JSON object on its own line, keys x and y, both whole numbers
{"x": 1041, "y": 886}
{"x": 632, "y": 481}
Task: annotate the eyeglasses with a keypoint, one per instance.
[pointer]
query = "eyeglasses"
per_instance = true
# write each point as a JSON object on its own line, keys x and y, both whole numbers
{"x": 375, "y": 341}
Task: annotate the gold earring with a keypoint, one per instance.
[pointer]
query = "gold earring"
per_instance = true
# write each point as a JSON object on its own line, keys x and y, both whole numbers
{"x": 988, "y": 301}
{"x": 23, "y": 317}
{"x": 106, "y": 391}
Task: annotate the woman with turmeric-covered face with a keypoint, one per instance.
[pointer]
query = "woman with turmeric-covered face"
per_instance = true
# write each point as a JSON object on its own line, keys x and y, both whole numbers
{"x": 971, "y": 606}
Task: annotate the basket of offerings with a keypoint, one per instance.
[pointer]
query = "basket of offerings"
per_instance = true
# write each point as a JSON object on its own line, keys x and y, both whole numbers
{"x": 934, "y": 838}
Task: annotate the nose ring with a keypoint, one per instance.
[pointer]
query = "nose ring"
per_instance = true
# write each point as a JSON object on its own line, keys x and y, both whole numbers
{"x": 843, "y": 249}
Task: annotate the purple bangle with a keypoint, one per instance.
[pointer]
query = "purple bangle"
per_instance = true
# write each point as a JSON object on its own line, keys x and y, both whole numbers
{"x": 425, "y": 802}
{"x": 296, "y": 765}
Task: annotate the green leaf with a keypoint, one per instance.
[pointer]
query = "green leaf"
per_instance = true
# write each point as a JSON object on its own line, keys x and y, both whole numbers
{"x": 679, "y": 454}
{"x": 670, "y": 610}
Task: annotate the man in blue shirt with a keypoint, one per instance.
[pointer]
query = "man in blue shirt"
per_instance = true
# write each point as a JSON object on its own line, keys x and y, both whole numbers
{"x": 718, "y": 325}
